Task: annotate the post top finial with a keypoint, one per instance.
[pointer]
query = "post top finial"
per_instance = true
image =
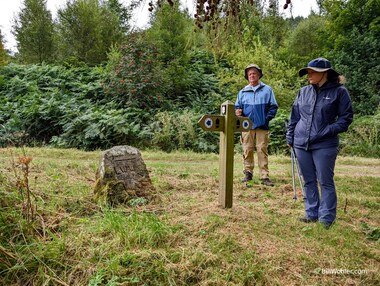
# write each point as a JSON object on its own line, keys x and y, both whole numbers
{"x": 227, "y": 102}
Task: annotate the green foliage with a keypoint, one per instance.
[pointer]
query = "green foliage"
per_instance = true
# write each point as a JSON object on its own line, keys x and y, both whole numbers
{"x": 158, "y": 83}
{"x": 171, "y": 32}
{"x": 353, "y": 60}
{"x": 203, "y": 91}
{"x": 363, "y": 137}
{"x": 87, "y": 30}
{"x": 172, "y": 35}
{"x": 274, "y": 30}
{"x": 34, "y": 32}
{"x": 134, "y": 230}
{"x": 135, "y": 79}
{"x": 3, "y": 53}
{"x": 277, "y": 142}
{"x": 38, "y": 101}
{"x": 372, "y": 233}
{"x": 356, "y": 49}
{"x": 179, "y": 130}
{"x": 124, "y": 13}
{"x": 101, "y": 127}
{"x": 306, "y": 41}
{"x": 67, "y": 107}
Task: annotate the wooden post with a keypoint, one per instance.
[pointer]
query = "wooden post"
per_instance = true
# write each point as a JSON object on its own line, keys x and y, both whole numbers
{"x": 227, "y": 123}
{"x": 226, "y": 155}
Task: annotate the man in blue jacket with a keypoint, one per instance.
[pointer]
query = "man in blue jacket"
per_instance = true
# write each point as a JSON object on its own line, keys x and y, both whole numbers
{"x": 256, "y": 101}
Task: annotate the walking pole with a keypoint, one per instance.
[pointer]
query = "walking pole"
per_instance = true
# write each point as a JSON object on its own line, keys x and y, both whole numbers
{"x": 300, "y": 179}
{"x": 293, "y": 176}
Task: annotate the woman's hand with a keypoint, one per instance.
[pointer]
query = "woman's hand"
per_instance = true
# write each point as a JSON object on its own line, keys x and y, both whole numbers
{"x": 238, "y": 112}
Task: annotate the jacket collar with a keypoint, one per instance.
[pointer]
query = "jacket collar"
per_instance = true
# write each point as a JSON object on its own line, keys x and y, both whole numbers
{"x": 327, "y": 85}
{"x": 249, "y": 87}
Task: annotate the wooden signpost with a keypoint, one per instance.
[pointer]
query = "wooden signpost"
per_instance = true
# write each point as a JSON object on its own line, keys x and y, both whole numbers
{"x": 227, "y": 123}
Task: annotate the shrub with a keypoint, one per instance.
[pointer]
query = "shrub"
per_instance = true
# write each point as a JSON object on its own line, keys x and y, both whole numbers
{"x": 135, "y": 79}
{"x": 277, "y": 142}
{"x": 180, "y": 130}
{"x": 103, "y": 127}
{"x": 36, "y": 101}
{"x": 363, "y": 137}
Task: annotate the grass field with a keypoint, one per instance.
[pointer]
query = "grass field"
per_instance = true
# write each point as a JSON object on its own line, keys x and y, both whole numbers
{"x": 183, "y": 237}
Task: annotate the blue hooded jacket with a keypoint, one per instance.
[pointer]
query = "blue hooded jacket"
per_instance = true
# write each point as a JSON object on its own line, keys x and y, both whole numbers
{"x": 318, "y": 116}
{"x": 260, "y": 105}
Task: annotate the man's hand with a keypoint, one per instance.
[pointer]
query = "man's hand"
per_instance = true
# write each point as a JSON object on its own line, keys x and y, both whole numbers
{"x": 238, "y": 112}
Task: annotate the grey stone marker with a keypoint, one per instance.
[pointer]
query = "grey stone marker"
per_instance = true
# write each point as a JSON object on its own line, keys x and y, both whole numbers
{"x": 122, "y": 176}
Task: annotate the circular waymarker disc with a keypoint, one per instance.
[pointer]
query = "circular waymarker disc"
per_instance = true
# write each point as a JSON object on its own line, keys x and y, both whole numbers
{"x": 245, "y": 124}
{"x": 208, "y": 122}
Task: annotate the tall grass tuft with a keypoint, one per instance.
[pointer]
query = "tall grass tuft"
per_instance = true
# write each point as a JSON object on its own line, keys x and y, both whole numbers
{"x": 134, "y": 229}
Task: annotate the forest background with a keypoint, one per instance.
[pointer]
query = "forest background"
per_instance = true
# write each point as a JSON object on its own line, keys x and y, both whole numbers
{"x": 88, "y": 80}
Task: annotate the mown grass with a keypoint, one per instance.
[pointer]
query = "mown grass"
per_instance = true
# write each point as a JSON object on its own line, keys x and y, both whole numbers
{"x": 183, "y": 237}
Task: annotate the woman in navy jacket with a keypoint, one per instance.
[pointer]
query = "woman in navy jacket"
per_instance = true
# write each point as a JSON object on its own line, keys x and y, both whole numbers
{"x": 321, "y": 111}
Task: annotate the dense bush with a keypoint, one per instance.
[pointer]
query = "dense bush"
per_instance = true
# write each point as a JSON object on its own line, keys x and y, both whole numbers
{"x": 363, "y": 137}
{"x": 36, "y": 101}
{"x": 354, "y": 32}
{"x": 67, "y": 107}
{"x": 179, "y": 130}
{"x": 277, "y": 143}
{"x": 135, "y": 79}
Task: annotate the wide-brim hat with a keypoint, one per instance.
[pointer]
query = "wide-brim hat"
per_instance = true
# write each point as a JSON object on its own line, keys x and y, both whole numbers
{"x": 318, "y": 65}
{"x": 252, "y": 66}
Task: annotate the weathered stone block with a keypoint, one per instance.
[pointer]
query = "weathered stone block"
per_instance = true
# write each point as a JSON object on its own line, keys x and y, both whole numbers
{"x": 122, "y": 176}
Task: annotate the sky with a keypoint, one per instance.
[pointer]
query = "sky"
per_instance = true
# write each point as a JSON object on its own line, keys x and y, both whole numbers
{"x": 10, "y": 8}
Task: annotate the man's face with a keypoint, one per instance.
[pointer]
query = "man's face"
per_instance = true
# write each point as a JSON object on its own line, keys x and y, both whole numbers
{"x": 253, "y": 76}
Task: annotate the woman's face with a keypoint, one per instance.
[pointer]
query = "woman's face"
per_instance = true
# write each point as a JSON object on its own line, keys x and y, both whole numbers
{"x": 316, "y": 77}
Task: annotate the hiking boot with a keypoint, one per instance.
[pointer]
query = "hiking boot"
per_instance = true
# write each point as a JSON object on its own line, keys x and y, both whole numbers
{"x": 307, "y": 219}
{"x": 267, "y": 182}
{"x": 326, "y": 225}
{"x": 247, "y": 177}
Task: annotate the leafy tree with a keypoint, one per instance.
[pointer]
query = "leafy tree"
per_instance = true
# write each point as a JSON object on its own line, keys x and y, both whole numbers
{"x": 34, "y": 32}
{"x": 172, "y": 34}
{"x": 134, "y": 79}
{"x": 354, "y": 35}
{"x": 213, "y": 10}
{"x": 123, "y": 13}
{"x": 3, "y": 53}
{"x": 231, "y": 34}
{"x": 358, "y": 58}
{"x": 274, "y": 27}
{"x": 307, "y": 40}
{"x": 87, "y": 30}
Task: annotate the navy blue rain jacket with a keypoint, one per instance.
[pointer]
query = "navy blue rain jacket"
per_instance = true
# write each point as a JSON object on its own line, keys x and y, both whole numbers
{"x": 318, "y": 116}
{"x": 260, "y": 105}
